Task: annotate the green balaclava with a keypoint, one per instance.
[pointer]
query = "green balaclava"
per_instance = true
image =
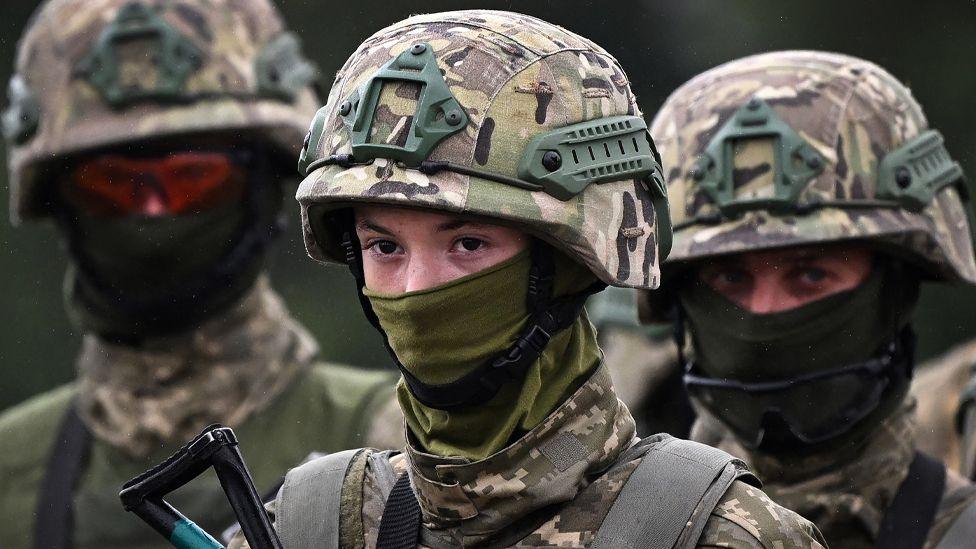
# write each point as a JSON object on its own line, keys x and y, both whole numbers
{"x": 815, "y": 374}
{"x": 137, "y": 277}
{"x": 442, "y": 333}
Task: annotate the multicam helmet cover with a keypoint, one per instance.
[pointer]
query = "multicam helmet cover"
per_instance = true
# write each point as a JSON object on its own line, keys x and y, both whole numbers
{"x": 801, "y": 147}
{"x": 496, "y": 115}
{"x": 92, "y": 74}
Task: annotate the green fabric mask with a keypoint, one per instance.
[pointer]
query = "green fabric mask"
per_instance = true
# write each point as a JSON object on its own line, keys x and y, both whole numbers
{"x": 442, "y": 333}
{"x": 126, "y": 274}
{"x": 834, "y": 335}
{"x": 732, "y": 342}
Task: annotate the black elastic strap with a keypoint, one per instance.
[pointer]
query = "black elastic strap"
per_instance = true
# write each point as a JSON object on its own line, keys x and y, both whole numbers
{"x": 54, "y": 524}
{"x": 400, "y": 524}
{"x": 908, "y": 519}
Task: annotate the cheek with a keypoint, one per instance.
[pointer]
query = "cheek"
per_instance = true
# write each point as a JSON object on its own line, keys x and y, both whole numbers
{"x": 381, "y": 276}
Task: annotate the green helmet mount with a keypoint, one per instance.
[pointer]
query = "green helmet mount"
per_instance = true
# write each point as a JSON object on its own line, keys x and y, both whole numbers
{"x": 909, "y": 177}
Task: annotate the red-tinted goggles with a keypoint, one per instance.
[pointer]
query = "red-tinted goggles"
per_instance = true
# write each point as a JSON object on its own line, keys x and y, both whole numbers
{"x": 177, "y": 183}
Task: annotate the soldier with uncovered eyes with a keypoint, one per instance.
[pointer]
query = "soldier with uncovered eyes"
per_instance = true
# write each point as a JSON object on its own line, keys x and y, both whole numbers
{"x": 482, "y": 173}
{"x": 811, "y": 199}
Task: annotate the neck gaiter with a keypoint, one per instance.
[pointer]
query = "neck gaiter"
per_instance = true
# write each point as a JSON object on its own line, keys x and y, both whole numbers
{"x": 136, "y": 278}
{"x": 442, "y": 333}
{"x": 802, "y": 376}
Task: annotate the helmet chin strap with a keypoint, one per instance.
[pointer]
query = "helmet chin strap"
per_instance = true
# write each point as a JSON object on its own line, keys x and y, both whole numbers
{"x": 547, "y": 317}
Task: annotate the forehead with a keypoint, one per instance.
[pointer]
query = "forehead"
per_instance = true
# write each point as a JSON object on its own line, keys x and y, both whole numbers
{"x": 398, "y": 218}
{"x": 834, "y": 252}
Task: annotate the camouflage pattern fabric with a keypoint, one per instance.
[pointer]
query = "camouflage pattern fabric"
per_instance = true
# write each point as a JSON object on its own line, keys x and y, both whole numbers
{"x": 166, "y": 391}
{"x": 516, "y": 77}
{"x": 938, "y": 387}
{"x": 326, "y": 408}
{"x": 221, "y": 94}
{"x": 846, "y": 491}
{"x": 852, "y": 113}
{"x": 570, "y": 462}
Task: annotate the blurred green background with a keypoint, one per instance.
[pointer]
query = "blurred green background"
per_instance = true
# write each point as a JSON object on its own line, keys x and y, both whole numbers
{"x": 931, "y": 46}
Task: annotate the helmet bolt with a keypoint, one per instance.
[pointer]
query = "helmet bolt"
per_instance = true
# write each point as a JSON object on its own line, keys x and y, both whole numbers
{"x": 418, "y": 49}
{"x": 903, "y": 178}
{"x": 552, "y": 161}
{"x": 814, "y": 162}
{"x": 697, "y": 173}
{"x": 345, "y": 108}
{"x": 753, "y": 104}
{"x": 454, "y": 117}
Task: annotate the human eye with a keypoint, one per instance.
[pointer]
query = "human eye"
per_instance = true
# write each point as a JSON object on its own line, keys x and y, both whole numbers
{"x": 813, "y": 275}
{"x": 467, "y": 244}
{"x": 727, "y": 277}
{"x": 382, "y": 247}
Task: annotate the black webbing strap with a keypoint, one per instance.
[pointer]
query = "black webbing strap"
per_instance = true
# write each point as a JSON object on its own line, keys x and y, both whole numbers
{"x": 908, "y": 519}
{"x": 400, "y": 524}
{"x": 54, "y": 524}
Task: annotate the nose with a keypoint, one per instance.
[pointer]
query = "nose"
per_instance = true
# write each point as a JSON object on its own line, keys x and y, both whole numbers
{"x": 149, "y": 196}
{"x": 768, "y": 296}
{"x": 424, "y": 271}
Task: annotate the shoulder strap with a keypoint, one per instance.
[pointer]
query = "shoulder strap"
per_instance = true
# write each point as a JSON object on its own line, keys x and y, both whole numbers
{"x": 908, "y": 519}
{"x": 400, "y": 523}
{"x": 676, "y": 486}
{"x": 962, "y": 532}
{"x": 308, "y": 504}
{"x": 54, "y": 524}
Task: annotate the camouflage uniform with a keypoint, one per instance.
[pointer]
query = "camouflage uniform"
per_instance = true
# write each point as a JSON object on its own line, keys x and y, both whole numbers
{"x": 250, "y": 365}
{"x": 846, "y": 491}
{"x": 941, "y": 387}
{"x": 515, "y": 76}
{"x": 502, "y": 501}
{"x": 851, "y": 113}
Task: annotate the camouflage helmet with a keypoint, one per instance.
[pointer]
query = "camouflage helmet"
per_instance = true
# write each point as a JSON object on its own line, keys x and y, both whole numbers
{"x": 496, "y": 115}
{"x": 96, "y": 74}
{"x": 799, "y": 147}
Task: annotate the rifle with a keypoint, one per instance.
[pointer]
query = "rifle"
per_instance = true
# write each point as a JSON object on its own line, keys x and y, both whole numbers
{"x": 215, "y": 447}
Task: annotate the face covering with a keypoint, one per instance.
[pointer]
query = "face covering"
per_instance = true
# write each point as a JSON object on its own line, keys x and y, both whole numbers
{"x": 442, "y": 333}
{"x": 807, "y": 375}
{"x": 138, "y": 277}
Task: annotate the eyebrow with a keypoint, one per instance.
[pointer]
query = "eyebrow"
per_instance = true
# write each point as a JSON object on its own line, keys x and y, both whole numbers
{"x": 370, "y": 225}
{"x": 454, "y": 224}
{"x": 802, "y": 255}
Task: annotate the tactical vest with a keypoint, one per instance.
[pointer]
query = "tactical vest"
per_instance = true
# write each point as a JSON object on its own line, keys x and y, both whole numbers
{"x": 675, "y": 488}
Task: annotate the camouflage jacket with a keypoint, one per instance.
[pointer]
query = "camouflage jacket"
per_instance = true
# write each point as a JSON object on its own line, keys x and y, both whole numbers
{"x": 531, "y": 494}
{"x": 846, "y": 491}
{"x": 938, "y": 386}
{"x": 153, "y": 397}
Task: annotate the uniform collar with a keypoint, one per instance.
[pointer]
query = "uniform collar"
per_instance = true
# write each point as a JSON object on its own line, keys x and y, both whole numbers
{"x": 548, "y": 465}
{"x": 845, "y": 491}
{"x": 167, "y": 389}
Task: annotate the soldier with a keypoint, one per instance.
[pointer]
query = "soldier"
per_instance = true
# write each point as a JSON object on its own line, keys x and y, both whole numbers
{"x": 482, "y": 173}
{"x": 811, "y": 199}
{"x": 158, "y": 135}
